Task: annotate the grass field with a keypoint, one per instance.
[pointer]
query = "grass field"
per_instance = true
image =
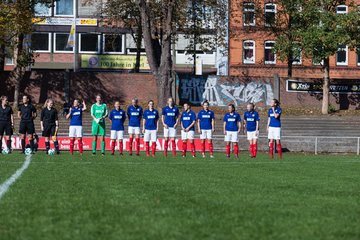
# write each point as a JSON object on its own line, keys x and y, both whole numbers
{"x": 69, "y": 197}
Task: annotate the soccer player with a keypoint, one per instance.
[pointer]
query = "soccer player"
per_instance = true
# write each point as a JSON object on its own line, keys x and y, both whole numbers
{"x": 117, "y": 117}
{"x": 232, "y": 128}
{"x": 150, "y": 128}
{"x": 99, "y": 112}
{"x": 50, "y": 125}
{"x": 188, "y": 121}
{"x": 206, "y": 127}
{"x": 134, "y": 113}
{"x": 76, "y": 130}
{"x": 251, "y": 124}
{"x": 27, "y": 114}
{"x": 170, "y": 120}
{"x": 6, "y": 122}
{"x": 274, "y": 127}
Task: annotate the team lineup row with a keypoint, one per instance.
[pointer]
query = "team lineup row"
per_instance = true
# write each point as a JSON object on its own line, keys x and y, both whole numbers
{"x": 141, "y": 121}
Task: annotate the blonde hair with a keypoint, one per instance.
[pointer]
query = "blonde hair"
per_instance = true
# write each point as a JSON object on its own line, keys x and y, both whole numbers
{"x": 47, "y": 101}
{"x": 2, "y": 98}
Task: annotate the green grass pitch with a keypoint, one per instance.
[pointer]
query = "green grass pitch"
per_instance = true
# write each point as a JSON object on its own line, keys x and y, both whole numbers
{"x": 73, "y": 197}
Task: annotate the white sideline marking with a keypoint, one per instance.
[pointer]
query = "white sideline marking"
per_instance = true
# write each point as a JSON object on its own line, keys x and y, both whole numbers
{"x": 4, "y": 187}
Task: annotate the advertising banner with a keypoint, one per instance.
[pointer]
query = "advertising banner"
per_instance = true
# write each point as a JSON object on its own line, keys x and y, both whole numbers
{"x": 65, "y": 21}
{"x": 113, "y": 61}
{"x": 299, "y": 86}
{"x": 64, "y": 144}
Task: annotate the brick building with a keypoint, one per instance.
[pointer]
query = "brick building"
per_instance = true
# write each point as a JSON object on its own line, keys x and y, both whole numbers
{"x": 251, "y": 46}
{"x": 99, "y": 46}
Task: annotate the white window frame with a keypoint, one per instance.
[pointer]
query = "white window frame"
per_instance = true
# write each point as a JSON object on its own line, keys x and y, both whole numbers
{"x": 98, "y": 43}
{"x": 49, "y": 44}
{"x": 347, "y": 56}
{"x": 342, "y": 12}
{"x": 60, "y": 51}
{"x": 321, "y": 63}
{"x": 9, "y": 64}
{"x": 270, "y": 11}
{"x": 46, "y": 15}
{"x": 300, "y": 60}
{"x": 271, "y": 48}
{"x": 64, "y": 15}
{"x": 246, "y": 10}
{"x": 122, "y": 43}
{"x": 243, "y": 50}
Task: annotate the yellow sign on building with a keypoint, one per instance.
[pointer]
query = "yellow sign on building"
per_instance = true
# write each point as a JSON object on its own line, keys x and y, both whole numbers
{"x": 113, "y": 62}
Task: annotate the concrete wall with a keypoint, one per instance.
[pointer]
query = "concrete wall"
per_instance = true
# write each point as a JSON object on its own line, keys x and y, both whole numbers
{"x": 220, "y": 91}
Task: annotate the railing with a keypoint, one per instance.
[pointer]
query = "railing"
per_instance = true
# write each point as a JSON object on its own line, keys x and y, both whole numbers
{"x": 309, "y": 144}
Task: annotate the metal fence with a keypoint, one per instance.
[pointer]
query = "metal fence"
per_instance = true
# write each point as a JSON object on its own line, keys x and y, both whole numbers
{"x": 310, "y": 144}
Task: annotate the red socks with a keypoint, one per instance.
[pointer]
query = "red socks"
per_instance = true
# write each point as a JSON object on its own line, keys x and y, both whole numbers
{"x": 153, "y": 148}
{"x": 137, "y": 141}
{"x": 279, "y": 150}
{"x": 253, "y": 150}
{"x": 121, "y": 147}
{"x": 131, "y": 145}
{"x": 71, "y": 146}
{"x": 228, "y": 150}
{"x": 203, "y": 147}
{"x": 236, "y": 150}
{"x": 173, "y": 143}
{"x": 113, "y": 143}
{"x": 271, "y": 146}
{"x": 80, "y": 144}
{"x": 166, "y": 145}
{"x": 211, "y": 148}
{"x": 184, "y": 146}
{"x": 193, "y": 149}
{"x": 147, "y": 148}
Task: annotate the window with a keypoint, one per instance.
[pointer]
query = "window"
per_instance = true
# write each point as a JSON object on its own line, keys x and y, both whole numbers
{"x": 249, "y": 14}
{"x": 341, "y": 9}
{"x": 40, "y": 42}
{"x": 342, "y": 55}
{"x": 42, "y": 9}
{"x": 297, "y": 56}
{"x": 89, "y": 43}
{"x": 60, "y": 43}
{"x": 358, "y": 55}
{"x": 270, "y": 13}
{"x": 270, "y": 57}
{"x": 249, "y": 52}
{"x": 113, "y": 44}
{"x": 134, "y": 51}
{"x": 9, "y": 58}
{"x": 64, "y": 7}
{"x": 317, "y": 62}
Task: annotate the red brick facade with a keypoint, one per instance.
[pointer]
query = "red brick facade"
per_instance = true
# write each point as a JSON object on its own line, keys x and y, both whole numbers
{"x": 259, "y": 34}
{"x": 43, "y": 84}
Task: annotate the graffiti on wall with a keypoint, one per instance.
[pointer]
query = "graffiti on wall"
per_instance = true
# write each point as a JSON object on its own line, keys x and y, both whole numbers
{"x": 219, "y": 93}
{"x": 192, "y": 89}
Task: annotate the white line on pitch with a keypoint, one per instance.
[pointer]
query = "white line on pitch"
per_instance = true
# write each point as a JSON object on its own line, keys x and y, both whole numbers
{"x": 4, "y": 187}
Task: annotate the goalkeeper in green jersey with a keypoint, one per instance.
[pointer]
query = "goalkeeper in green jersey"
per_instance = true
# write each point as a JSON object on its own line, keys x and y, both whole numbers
{"x": 99, "y": 112}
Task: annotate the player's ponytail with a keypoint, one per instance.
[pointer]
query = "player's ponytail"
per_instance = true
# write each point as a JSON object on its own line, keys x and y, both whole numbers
{"x": 232, "y": 106}
{"x": 277, "y": 103}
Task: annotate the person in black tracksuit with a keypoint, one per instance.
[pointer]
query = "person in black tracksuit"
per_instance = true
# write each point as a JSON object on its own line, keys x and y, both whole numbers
{"x": 6, "y": 122}
{"x": 27, "y": 114}
{"x": 50, "y": 125}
